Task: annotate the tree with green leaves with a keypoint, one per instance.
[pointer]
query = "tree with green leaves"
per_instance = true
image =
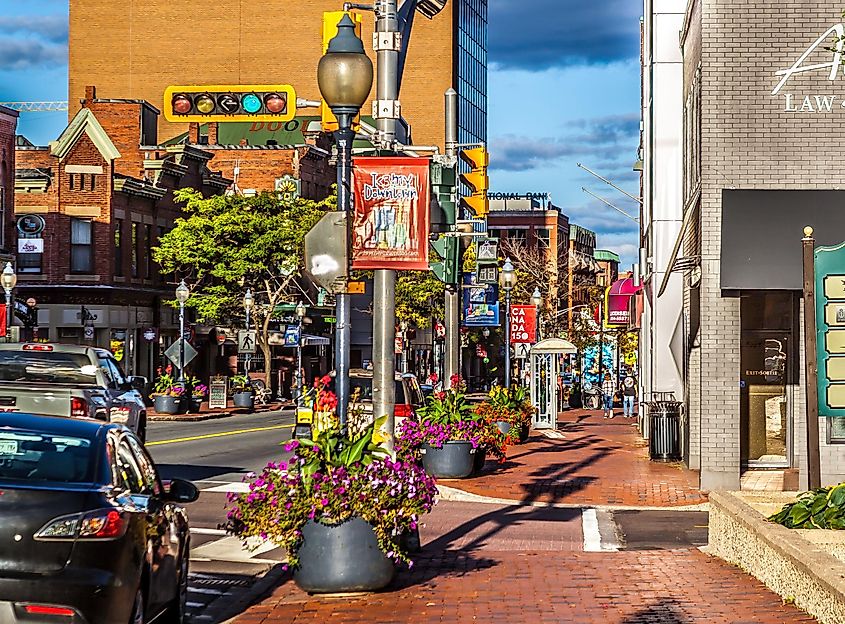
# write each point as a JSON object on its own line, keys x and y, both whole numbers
{"x": 226, "y": 244}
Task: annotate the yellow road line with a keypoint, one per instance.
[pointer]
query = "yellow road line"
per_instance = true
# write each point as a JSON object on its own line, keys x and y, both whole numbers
{"x": 218, "y": 435}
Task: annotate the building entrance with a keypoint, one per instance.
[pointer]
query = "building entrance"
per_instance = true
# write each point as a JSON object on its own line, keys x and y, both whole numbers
{"x": 766, "y": 379}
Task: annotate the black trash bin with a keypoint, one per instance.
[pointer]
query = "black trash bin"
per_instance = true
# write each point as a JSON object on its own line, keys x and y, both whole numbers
{"x": 664, "y": 442}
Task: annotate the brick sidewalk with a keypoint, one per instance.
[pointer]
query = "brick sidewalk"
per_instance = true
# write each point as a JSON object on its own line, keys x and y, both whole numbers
{"x": 597, "y": 462}
{"x": 638, "y": 587}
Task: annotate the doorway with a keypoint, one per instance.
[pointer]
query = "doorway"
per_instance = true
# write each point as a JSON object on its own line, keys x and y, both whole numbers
{"x": 767, "y": 371}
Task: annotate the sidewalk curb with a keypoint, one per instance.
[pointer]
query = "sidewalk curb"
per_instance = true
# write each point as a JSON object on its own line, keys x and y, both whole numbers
{"x": 452, "y": 494}
{"x": 155, "y": 417}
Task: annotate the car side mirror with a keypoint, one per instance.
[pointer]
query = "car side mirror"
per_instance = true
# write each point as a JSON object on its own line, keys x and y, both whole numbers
{"x": 181, "y": 491}
{"x": 138, "y": 383}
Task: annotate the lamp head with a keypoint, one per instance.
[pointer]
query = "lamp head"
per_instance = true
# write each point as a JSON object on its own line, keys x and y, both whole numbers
{"x": 537, "y": 297}
{"x": 300, "y": 310}
{"x": 249, "y": 300}
{"x": 507, "y": 277}
{"x": 8, "y": 279}
{"x": 345, "y": 72}
{"x": 182, "y": 292}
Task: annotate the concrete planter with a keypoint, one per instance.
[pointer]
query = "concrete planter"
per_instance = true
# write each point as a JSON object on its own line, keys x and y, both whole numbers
{"x": 805, "y": 566}
{"x": 342, "y": 558}
{"x": 168, "y": 405}
{"x": 454, "y": 460}
{"x": 244, "y": 399}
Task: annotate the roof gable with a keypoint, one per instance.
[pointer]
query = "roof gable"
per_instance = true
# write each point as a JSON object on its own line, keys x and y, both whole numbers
{"x": 84, "y": 122}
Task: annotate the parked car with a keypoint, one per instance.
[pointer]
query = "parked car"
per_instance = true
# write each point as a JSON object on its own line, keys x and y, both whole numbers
{"x": 88, "y": 532}
{"x": 72, "y": 381}
{"x": 408, "y": 393}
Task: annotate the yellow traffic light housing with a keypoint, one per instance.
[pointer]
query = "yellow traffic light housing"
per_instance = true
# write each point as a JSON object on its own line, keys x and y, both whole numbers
{"x": 477, "y": 181}
{"x": 204, "y": 103}
{"x": 330, "y": 21}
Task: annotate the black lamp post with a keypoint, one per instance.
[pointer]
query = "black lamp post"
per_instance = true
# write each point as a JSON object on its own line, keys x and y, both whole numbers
{"x": 345, "y": 78}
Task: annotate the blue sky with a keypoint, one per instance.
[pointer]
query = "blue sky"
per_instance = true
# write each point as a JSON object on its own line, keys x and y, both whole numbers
{"x": 570, "y": 68}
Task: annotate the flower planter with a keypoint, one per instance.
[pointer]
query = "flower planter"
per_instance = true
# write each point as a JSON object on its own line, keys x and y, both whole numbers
{"x": 479, "y": 458}
{"x": 168, "y": 405}
{"x": 342, "y": 558}
{"x": 503, "y": 426}
{"x": 524, "y": 432}
{"x": 454, "y": 460}
{"x": 244, "y": 399}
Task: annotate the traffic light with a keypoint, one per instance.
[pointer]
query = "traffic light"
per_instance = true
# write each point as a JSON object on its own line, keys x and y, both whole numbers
{"x": 445, "y": 266}
{"x": 330, "y": 21}
{"x": 443, "y": 209}
{"x": 477, "y": 158}
{"x": 203, "y": 103}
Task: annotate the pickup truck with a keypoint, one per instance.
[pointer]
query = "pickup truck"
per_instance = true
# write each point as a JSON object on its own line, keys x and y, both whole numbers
{"x": 70, "y": 380}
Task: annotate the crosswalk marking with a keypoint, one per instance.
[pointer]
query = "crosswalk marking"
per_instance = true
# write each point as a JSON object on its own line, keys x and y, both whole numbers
{"x": 237, "y": 488}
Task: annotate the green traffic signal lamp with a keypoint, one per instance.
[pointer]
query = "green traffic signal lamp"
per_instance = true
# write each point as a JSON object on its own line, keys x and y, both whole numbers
{"x": 251, "y": 103}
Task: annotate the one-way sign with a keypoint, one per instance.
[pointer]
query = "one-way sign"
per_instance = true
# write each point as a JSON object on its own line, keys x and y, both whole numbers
{"x": 246, "y": 340}
{"x": 173, "y": 352}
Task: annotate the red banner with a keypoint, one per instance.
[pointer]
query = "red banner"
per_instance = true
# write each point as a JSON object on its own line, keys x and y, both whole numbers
{"x": 3, "y": 317}
{"x": 391, "y": 217}
{"x": 523, "y": 323}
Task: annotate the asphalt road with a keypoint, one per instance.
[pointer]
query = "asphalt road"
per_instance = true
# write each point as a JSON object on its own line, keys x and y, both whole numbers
{"x": 215, "y": 455}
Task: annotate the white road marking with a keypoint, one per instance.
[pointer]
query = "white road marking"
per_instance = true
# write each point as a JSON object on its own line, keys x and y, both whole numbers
{"x": 205, "y": 590}
{"x": 194, "y": 605}
{"x": 231, "y": 549}
{"x": 551, "y": 433}
{"x": 203, "y": 531}
{"x": 590, "y": 529}
{"x": 237, "y": 488}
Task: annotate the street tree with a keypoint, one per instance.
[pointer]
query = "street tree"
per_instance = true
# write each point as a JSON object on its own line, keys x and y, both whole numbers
{"x": 226, "y": 244}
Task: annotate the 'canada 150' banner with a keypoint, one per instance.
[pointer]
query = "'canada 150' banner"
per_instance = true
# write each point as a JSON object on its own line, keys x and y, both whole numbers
{"x": 391, "y": 222}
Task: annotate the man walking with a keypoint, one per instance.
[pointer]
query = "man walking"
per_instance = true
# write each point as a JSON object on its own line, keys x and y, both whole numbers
{"x": 629, "y": 392}
{"x": 608, "y": 389}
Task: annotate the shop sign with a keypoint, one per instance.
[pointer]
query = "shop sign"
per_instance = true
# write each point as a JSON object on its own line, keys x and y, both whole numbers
{"x": 150, "y": 334}
{"x": 523, "y": 324}
{"x": 31, "y": 245}
{"x": 217, "y": 398}
{"x": 30, "y": 224}
{"x": 391, "y": 218}
{"x": 814, "y": 102}
{"x": 481, "y": 303}
{"x": 830, "y": 329}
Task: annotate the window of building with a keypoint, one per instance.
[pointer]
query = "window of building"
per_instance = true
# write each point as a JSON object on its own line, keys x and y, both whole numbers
{"x": 72, "y": 181}
{"x": 544, "y": 237}
{"x": 133, "y": 250}
{"x": 91, "y": 182}
{"x": 81, "y": 246}
{"x": 29, "y": 262}
{"x": 118, "y": 247}
{"x": 148, "y": 244}
{"x": 836, "y": 430}
{"x": 516, "y": 235}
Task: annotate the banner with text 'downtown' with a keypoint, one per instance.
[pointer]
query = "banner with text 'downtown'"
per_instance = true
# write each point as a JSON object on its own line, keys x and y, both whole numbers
{"x": 391, "y": 216}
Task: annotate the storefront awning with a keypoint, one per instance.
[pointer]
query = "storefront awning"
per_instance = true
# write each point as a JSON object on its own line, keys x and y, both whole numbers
{"x": 314, "y": 341}
{"x": 762, "y": 232}
{"x": 689, "y": 213}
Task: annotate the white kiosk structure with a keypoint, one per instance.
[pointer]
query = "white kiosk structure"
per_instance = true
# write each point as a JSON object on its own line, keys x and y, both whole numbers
{"x": 546, "y": 357}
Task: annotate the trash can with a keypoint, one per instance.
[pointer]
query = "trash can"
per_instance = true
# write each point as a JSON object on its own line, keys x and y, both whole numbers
{"x": 664, "y": 443}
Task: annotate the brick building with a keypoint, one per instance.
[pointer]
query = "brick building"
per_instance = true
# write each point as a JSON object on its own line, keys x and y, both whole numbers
{"x": 8, "y": 124}
{"x": 582, "y": 269}
{"x": 608, "y": 263}
{"x": 761, "y": 160}
{"x": 118, "y": 47}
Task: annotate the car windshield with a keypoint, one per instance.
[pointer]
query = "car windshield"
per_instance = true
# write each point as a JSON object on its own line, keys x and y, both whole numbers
{"x": 361, "y": 389}
{"x": 47, "y": 367}
{"x": 31, "y": 456}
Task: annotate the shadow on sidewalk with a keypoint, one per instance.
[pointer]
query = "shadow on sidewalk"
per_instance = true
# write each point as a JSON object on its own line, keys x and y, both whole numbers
{"x": 665, "y": 612}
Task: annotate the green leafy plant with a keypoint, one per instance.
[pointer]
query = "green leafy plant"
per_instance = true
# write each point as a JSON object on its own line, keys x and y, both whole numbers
{"x": 818, "y": 509}
{"x": 166, "y": 385}
{"x": 241, "y": 383}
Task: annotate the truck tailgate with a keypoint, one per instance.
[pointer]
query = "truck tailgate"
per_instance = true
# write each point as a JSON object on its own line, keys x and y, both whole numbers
{"x": 49, "y": 400}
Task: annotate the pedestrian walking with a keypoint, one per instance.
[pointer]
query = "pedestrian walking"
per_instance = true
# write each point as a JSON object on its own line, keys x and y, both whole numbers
{"x": 608, "y": 390}
{"x": 629, "y": 393}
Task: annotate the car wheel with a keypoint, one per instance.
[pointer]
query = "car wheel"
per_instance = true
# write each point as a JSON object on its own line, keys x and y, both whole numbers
{"x": 177, "y": 610}
{"x": 137, "y": 616}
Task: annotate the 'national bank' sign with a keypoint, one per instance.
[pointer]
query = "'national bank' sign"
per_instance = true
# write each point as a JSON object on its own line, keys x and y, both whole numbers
{"x": 832, "y": 41}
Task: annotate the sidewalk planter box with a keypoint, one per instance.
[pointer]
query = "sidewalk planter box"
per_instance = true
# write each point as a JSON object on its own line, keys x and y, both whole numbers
{"x": 803, "y": 566}
{"x": 454, "y": 460}
{"x": 341, "y": 558}
{"x": 503, "y": 426}
{"x": 244, "y": 399}
{"x": 168, "y": 405}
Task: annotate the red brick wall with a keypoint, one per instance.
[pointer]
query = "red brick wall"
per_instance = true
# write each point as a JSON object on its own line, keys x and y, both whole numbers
{"x": 8, "y": 124}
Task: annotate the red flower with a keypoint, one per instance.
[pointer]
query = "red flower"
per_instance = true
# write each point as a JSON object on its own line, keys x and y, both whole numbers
{"x": 455, "y": 379}
{"x": 440, "y": 396}
{"x": 325, "y": 380}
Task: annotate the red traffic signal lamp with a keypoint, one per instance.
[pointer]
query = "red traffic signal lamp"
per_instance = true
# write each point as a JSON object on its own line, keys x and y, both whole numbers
{"x": 478, "y": 159}
{"x": 203, "y": 103}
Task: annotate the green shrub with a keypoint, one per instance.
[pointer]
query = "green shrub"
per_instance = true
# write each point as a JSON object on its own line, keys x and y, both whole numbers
{"x": 820, "y": 509}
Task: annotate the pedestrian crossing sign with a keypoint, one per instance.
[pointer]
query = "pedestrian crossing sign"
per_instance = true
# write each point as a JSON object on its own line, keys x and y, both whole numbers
{"x": 246, "y": 340}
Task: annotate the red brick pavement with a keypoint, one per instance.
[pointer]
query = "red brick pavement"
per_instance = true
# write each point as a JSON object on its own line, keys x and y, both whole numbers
{"x": 598, "y": 462}
{"x": 637, "y": 587}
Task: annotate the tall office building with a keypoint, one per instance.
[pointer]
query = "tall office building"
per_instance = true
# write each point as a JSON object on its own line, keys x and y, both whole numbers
{"x": 135, "y": 49}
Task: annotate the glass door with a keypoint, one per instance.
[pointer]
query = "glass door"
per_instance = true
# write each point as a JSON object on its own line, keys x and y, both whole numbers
{"x": 765, "y": 401}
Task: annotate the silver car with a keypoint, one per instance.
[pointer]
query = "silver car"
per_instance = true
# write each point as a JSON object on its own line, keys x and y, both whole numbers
{"x": 74, "y": 381}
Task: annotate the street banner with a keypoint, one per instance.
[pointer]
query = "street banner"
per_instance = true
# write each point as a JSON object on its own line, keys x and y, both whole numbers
{"x": 391, "y": 217}
{"x": 523, "y": 322}
{"x": 292, "y": 336}
{"x": 481, "y": 303}
{"x": 3, "y": 317}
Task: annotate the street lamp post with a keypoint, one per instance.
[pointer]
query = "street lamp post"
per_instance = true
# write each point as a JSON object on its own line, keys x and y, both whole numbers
{"x": 249, "y": 302}
{"x": 507, "y": 280}
{"x": 345, "y": 78}
{"x": 300, "y": 314}
{"x": 537, "y": 300}
{"x": 8, "y": 280}
{"x": 182, "y": 294}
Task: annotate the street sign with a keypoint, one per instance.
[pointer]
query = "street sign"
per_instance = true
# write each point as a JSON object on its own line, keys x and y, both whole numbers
{"x": 486, "y": 274}
{"x": 217, "y": 398}
{"x": 488, "y": 250}
{"x": 246, "y": 340}
{"x": 173, "y": 353}
{"x": 327, "y": 252}
{"x": 521, "y": 350}
{"x": 292, "y": 336}
{"x": 356, "y": 288}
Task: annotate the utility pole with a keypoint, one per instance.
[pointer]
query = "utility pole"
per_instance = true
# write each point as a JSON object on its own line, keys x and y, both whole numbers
{"x": 387, "y": 44}
{"x": 452, "y": 357}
